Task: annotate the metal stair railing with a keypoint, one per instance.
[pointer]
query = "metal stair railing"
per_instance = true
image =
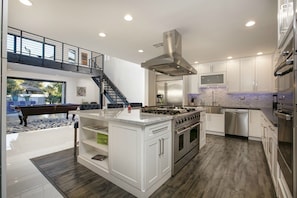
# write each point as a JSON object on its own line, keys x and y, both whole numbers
{"x": 111, "y": 92}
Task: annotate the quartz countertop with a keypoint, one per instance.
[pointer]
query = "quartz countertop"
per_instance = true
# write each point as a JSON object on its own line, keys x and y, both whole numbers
{"x": 135, "y": 116}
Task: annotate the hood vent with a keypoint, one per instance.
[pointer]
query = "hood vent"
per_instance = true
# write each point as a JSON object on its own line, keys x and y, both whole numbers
{"x": 171, "y": 62}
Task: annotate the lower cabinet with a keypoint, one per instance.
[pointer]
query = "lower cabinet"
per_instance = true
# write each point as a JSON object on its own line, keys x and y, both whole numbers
{"x": 157, "y": 159}
{"x": 140, "y": 156}
{"x": 215, "y": 124}
{"x": 269, "y": 142}
{"x": 255, "y": 132}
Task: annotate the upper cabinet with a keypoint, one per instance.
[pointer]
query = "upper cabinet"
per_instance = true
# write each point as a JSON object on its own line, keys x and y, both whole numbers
{"x": 249, "y": 75}
{"x": 233, "y": 78}
{"x": 212, "y": 67}
{"x": 285, "y": 20}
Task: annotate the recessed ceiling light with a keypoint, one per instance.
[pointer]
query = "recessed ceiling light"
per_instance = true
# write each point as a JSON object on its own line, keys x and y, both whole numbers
{"x": 196, "y": 62}
{"x": 250, "y": 23}
{"x": 140, "y": 51}
{"x": 128, "y": 17}
{"x": 259, "y": 53}
{"x": 229, "y": 57}
{"x": 102, "y": 34}
{"x": 26, "y": 2}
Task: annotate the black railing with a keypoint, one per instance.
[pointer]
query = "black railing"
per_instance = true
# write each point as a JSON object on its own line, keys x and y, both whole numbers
{"x": 35, "y": 46}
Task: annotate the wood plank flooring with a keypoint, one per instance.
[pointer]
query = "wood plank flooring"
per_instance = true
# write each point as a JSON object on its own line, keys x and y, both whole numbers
{"x": 224, "y": 168}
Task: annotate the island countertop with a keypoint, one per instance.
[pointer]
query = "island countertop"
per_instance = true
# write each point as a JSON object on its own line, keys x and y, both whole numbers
{"x": 135, "y": 116}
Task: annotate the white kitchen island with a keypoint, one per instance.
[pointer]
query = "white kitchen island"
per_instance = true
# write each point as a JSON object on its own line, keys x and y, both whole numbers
{"x": 137, "y": 146}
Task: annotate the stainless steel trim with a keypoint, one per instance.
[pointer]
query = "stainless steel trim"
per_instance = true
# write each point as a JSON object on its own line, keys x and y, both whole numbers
{"x": 283, "y": 115}
{"x": 186, "y": 129}
{"x": 171, "y": 62}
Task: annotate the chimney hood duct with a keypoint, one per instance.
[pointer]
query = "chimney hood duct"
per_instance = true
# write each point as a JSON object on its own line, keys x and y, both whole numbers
{"x": 171, "y": 62}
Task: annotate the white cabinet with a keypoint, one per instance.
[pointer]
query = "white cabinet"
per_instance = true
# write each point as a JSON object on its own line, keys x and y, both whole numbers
{"x": 202, "y": 129}
{"x": 138, "y": 158}
{"x": 250, "y": 75}
{"x": 215, "y": 124}
{"x": 157, "y": 159}
{"x": 214, "y": 67}
{"x": 255, "y": 132}
{"x": 264, "y": 74}
{"x": 269, "y": 141}
{"x": 128, "y": 150}
{"x": 247, "y": 74}
{"x": 233, "y": 77}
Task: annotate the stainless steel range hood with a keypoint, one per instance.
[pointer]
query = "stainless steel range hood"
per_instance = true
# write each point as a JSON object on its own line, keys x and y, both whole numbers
{"x": 171, "y": 62}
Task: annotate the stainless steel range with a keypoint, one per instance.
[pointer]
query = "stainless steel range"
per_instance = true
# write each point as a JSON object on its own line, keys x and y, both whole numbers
{"x": 185, "y": 137}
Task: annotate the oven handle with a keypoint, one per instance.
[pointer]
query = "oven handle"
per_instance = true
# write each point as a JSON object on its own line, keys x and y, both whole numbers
{"x": 188, "y": 128}
{"x": 282, "y": 70}
{"x": 283, "y": 115}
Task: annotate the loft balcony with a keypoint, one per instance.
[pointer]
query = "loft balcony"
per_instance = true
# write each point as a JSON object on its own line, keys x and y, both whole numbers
{"x": 31, "y": 49}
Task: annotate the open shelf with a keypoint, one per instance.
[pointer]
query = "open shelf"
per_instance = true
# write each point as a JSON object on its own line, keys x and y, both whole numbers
{"x": 93, "y": 143}
{"x": 97, "y": 129}
{"x": 88, "y": 157}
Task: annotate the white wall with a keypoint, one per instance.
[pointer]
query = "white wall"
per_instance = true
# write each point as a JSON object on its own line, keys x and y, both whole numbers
{"x": 128, "y": 77}
{"x": 92, "y": 91}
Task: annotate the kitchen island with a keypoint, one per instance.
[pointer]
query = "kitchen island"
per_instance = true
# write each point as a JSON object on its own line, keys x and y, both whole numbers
{"x": 131, "y": 149}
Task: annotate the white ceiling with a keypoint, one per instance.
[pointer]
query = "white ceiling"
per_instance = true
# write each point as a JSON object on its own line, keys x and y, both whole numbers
{"x": 211, "y": 30}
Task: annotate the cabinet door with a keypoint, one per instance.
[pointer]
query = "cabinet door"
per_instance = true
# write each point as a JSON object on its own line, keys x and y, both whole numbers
{"x": 233, "y": 76}
{"x": 264, "y": 74}
{"x": 204, "y": 68}
{"x": 193, "y": 84}
{"x": 215, "y": 122}
{"x": 219, "y": 66}
{"x": 157, "y": 158}
{"x": 255, "y": 123}
{"x": 165, "y": 157}
{"x": 152, "y": 154}
{"x": 247, "y": 74}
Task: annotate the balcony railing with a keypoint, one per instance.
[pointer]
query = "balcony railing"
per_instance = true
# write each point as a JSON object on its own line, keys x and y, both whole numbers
{"x": 47, "y": 52}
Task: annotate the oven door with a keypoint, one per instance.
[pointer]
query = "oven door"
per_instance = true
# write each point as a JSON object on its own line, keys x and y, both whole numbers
{"x": 185, "y": 140}
{"x": 285, "y": 146}
{"x": 194, "y": 136}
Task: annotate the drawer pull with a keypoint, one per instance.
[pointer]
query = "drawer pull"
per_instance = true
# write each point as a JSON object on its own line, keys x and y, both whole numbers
{"x": 160, "y": 129}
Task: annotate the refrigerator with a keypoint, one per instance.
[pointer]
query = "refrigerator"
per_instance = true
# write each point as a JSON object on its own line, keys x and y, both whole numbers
{"x": 169, "y": 93}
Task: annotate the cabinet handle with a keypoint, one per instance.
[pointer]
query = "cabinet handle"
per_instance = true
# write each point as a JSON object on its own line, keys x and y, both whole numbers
{"x": 160, "y": 147}
{"x": 159, "y": 130}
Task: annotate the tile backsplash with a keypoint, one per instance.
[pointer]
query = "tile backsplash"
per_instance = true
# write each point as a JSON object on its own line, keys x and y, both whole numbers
{"x": 219, "y": 96}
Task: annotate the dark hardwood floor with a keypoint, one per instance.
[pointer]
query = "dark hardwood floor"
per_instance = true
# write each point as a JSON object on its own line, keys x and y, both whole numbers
{"x": 225, "y": 168}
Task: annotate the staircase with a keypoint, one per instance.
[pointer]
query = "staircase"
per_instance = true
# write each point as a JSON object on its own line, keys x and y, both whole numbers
{"x": 111, "y": 92}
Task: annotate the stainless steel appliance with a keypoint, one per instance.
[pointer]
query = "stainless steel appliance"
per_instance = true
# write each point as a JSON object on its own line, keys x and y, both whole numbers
{"x": 171, "y": 62}
{"x": 237, "y": 122}
{"x": 169, "y": 90}
{"x": 285, "y": 113}
{"x": 186, "y": 131}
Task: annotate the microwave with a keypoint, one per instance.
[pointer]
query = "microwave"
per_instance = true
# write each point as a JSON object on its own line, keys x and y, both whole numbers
{"x": 212, "y": 80}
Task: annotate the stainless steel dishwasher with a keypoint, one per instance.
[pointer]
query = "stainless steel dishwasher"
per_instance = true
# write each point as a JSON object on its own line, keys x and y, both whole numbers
{"x": 237, "y": 122}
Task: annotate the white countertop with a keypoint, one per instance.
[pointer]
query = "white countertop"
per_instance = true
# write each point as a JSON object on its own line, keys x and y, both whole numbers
{"x": 135, "y": 116}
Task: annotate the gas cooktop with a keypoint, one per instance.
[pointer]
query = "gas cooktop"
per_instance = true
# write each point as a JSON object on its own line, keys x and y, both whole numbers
{"x": 168, "y": 110}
